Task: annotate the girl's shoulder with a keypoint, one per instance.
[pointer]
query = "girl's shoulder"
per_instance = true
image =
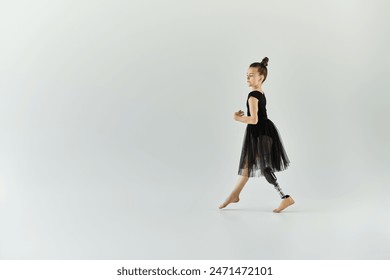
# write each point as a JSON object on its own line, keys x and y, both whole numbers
{"x": 257, "y": 94}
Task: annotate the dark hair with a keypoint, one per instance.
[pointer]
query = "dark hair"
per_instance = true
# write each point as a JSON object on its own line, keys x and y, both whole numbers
{"x": 261, "y": 67}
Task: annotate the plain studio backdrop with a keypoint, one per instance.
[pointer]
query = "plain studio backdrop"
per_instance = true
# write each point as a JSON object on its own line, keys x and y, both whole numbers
{"x": 118, "y": 139}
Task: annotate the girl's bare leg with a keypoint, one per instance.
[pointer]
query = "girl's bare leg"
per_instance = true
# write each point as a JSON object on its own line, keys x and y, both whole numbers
{"x": 234, "y": 196}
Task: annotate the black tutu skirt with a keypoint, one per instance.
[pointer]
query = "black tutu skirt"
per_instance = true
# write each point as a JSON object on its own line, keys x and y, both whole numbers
{"x": 262, "y": 147}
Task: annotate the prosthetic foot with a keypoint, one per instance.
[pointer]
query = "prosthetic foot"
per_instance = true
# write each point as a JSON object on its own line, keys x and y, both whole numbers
{"x": 286, "y": 199}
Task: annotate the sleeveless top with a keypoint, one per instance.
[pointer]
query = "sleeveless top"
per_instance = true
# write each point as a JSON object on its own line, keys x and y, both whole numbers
{"x": 261, "y": 111}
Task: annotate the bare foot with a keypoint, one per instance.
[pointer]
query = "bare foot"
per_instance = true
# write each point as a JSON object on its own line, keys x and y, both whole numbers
{"x": 230, "y": 199}
{"x": 284, "y": 204}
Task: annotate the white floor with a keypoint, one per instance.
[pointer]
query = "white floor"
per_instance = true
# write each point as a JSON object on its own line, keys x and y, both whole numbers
{"x": 180, "y": 220}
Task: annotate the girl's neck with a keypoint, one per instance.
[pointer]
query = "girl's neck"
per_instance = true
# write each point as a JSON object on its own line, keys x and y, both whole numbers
{"x": 258, "y": 89}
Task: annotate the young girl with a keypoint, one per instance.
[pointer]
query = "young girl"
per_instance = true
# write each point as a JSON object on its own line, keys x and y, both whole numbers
{"x": 262, "y": 150}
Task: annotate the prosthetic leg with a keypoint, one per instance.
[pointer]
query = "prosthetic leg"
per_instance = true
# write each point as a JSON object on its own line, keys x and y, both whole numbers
{"x": 271, "y": 178}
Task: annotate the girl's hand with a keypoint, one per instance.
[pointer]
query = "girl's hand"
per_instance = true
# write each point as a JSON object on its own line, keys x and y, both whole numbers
{"x": 238, "y": 114}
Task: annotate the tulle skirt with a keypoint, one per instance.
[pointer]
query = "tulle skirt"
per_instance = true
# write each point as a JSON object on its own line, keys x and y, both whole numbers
{"x": 262, "y": 147}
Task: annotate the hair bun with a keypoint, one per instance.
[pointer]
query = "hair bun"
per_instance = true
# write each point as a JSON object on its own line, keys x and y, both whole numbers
{"x": 265, "y": 61}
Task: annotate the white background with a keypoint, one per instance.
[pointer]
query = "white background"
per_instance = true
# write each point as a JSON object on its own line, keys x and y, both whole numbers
{"x": 118, "y": 142}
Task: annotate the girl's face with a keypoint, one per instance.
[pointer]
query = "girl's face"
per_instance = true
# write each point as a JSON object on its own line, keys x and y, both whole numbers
{"x": 253, "y": 77}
